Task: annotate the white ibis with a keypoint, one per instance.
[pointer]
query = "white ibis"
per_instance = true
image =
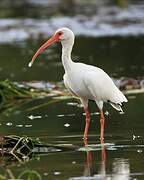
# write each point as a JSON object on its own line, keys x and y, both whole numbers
{"x": 84, "y": 81}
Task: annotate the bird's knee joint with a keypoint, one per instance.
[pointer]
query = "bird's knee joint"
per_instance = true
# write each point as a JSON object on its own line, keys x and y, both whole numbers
{"x": 102, "y": 121}
{"x": 87, "y": 116}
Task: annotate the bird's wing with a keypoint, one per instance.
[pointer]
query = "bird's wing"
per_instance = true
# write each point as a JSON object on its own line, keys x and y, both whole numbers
{"x": 102, "y": 87}
{"x": 66, "y": 83}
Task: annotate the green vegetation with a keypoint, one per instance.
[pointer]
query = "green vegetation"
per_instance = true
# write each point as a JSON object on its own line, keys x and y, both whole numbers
{"x": 27, "y": 174}
{"x": 20, "y": 148}
{"x": 12, "y": 94}
{"x": 9, "y": 92}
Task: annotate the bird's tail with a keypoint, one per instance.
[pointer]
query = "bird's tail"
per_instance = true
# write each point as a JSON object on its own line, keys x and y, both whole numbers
{"x": 117, "y": 100}
{"x": 116, "y": 106}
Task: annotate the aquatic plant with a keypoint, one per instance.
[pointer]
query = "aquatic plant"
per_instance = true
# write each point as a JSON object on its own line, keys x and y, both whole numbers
{"x": 11, "y": 92}
{"x": 26, "y": 174}
{"x": 30, "y": 174}
{"x": 22, "y": 148}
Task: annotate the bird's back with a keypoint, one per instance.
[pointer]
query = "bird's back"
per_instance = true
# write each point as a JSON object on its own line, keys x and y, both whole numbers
{"x": 101, "y": 86}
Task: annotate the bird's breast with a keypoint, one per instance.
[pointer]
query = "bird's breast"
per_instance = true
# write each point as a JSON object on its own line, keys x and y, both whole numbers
{"x": 75, "y": 84}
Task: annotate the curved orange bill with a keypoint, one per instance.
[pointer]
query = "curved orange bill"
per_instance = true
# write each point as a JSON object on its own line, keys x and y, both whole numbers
{"x": 43, "y": 47}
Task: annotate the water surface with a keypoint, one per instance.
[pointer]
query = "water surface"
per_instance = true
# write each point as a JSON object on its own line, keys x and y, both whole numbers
{"x": 62, "y": 123}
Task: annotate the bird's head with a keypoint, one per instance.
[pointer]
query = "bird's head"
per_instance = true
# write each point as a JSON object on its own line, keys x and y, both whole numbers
{"x": 63, "y": 35}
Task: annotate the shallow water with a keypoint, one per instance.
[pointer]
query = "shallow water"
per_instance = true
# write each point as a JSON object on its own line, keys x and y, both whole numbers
{"x": 62, "y": 124}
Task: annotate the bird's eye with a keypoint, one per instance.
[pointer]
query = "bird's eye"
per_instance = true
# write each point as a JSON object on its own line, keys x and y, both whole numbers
{"x": 60, "y": 33}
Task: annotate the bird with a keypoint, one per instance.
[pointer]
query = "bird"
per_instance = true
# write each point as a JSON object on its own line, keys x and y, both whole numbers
{"x": 84, "y": 81}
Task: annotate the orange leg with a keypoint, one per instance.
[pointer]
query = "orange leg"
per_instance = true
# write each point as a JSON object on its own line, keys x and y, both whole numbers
{"x": 102, "y": 122}
{"x": 87, "y": 122}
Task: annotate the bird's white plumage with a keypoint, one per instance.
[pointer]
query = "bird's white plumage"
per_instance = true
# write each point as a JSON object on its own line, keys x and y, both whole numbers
{"x": 86, "y": 81}
{"x": 89, "y": 82}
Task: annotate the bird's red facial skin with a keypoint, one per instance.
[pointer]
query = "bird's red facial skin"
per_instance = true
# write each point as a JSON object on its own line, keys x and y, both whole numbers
{"x": 49, "y": 42}
{"x": 58, "y": 35}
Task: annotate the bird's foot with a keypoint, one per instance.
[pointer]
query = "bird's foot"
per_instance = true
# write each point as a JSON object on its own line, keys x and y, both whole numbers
{"x": 102, "y": 140}
{"x": 85, "y": 140}
{"x": 85, "y": 136}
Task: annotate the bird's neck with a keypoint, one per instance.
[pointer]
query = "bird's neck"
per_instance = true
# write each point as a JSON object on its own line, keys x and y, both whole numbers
{"x": 66, "y": 55}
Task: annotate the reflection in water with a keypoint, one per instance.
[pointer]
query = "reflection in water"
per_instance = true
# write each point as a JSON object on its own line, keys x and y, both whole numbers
{"x": 89, "y": 163}
{"x": 121, "y": 169}
{"x": 102, "y": 171}
{"x": 120, "y": 166}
